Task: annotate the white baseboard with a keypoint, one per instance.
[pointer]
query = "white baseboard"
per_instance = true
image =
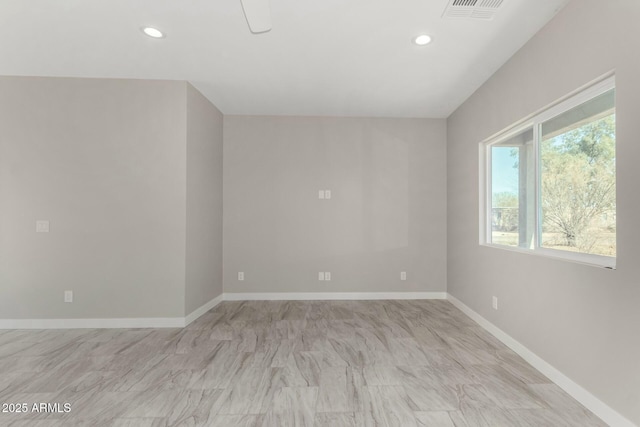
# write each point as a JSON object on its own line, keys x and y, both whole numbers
{"x": 202, "y": 310}
{"x": 180, "y": 322}
{"x": 115, "y": 323}
{"x": 319, "y": 296}
{"x": 591, "y": 402}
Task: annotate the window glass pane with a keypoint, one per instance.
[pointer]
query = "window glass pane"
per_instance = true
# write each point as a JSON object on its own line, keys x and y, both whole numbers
{"x": 577, "y": 178}
{"x": 512, "y": 207}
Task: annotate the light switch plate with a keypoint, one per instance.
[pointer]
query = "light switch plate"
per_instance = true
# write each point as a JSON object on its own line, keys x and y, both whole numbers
{"x": 327, "y": 194}
{"x": 327, "y": 275}
{"x": 403, "y": 275}
{"x": 321, "y": 194}
{"x": 42, "y": 226}
{"x": 321, "y": 276}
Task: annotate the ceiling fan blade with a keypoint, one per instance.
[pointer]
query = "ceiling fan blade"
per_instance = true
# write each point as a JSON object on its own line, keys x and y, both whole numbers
{"x": 258, "y": 14}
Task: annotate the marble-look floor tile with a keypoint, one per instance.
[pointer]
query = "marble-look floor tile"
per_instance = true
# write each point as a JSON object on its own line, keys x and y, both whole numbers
{"x": 540, "y": 417}
{"x": 507, "y": 390}
{"x": 389, "y": 406}
{"x": 301, "y": 370}
{"x": 434, "y": 419}
{"x": 342, "y": 419}
{"x": 376, "y": 375}
{"x": 139, "y": 422}
{"x": 340, "y": 390}
{"x": 291, "y": 407}
{"x": 491, "y": 417}
{"x": 407, "y": 352}
{"x": 284, "y": 363}
{"x": 152, "y": 403}
{"x": 251, "y": 393}
{"x": 236, "y": 421}
{"x": 35, "y": 423}
{"x": 555, "y": 397}
{"x": 425, "y": 398}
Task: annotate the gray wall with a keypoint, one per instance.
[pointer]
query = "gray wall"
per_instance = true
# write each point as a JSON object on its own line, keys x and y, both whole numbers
{"x": 204, "y": 201}
{"x": 387, "y": 213}
{"x": 583, "y": 320}
{"x": 105, "y": 162}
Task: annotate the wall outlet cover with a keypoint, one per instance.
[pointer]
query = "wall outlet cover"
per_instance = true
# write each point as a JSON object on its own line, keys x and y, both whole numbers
{"x": 42, "y": 226}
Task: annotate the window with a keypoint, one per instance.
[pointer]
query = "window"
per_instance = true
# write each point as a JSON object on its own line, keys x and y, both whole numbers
{"x": 550, "y": 183}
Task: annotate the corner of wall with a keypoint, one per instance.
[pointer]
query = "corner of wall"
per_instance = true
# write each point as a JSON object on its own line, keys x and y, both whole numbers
{"x": 203, "y": 253}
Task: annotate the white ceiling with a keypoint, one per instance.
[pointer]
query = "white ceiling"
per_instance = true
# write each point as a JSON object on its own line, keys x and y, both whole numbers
{"x": 322, "y": 57}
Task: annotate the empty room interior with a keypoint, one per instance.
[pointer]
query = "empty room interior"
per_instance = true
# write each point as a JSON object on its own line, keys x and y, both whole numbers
{"x": 319, "y": 213}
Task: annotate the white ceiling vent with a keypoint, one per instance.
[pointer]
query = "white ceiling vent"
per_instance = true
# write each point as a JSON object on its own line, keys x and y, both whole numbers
{"x": 475, "y": 9}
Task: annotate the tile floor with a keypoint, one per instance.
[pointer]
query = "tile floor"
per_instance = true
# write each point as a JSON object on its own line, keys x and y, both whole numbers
{"x": 284, "y": 363}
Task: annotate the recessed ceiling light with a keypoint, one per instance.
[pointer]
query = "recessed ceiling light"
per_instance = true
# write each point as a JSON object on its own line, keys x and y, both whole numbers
{"x": 422, "y": 40}
{"x": 153, "y": 32}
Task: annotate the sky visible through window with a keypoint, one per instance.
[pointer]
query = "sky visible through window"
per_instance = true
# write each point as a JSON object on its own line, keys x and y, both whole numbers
{"x": 505, "y": 176}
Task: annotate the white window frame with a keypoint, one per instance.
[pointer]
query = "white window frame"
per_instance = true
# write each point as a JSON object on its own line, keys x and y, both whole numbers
{"x": 535, "y": 122}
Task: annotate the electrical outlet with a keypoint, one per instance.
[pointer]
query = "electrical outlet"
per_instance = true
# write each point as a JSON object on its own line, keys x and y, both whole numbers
{"x": 494, "y": 303}
{"x": 68, "y": 296}
{"x": 321, "y": 276}
{"x": 241, "y": 275}
{"x": 327, "y": 275}
{"x": 403, "y": 275}
{"x": 327, "y": 194}
{"x": 42, "y": 226}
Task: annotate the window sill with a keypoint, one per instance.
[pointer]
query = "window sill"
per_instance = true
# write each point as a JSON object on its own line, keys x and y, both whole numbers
{"x": 585, "y": 259}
